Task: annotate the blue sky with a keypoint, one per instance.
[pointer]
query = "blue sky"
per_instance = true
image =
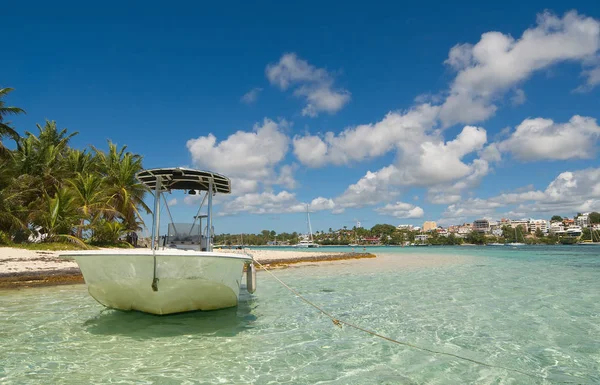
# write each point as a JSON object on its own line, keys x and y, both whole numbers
{"x": 386, "y": 113}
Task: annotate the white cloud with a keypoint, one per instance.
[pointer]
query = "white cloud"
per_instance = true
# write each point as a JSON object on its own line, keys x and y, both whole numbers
{"x": 172, "y": 202}
{"x": 518, "y": 97}
{"x": 443, "y": 198}
{"x": 401, "y": 210}
{"x": 569, "y": 192}
{"x": 430, "y": 163}
{"x": 320, "y": 203}
{"x": 251, "y": 96}
{"x": 273, "y": 203}
{"x": 537, "y": 139}
{"x": 593, "y": 77}
{"x": 499, "y": 62}
{"x": 373, "y": 188}
{"x": 314, "y": 84}
{"x": 263, "y": 203}
{"x": 286, "y": 176}
{"x": 366, "y": 140}
{"x": 435, "y": 162}
{"x": 246, "y": 157}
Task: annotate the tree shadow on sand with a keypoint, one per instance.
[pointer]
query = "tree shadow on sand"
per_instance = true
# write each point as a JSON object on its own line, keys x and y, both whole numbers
{"x": 215, "y": 323}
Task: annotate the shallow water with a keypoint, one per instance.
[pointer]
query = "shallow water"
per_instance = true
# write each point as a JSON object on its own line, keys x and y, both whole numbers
{"x": 535, "y": 309}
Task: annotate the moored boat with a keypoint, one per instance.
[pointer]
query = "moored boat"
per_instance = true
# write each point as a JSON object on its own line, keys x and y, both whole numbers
{"x": 165, "y": 281}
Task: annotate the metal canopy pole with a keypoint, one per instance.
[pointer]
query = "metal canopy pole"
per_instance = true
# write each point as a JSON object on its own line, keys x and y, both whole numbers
{"x": 156, "y": 213}
{"x": 209, "y": 212}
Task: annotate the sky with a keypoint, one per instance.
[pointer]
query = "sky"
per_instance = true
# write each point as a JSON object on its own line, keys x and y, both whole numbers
{"x": 371, "y": 112}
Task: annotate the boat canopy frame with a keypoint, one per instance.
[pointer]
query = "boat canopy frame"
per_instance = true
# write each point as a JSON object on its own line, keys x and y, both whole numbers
{"x": 180, "y": 178}
{"x": 166, "y": 179}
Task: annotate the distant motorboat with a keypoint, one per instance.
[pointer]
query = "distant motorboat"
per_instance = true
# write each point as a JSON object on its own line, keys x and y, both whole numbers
{"x": 169, "y": 280}
{"x": 495, "y": 244}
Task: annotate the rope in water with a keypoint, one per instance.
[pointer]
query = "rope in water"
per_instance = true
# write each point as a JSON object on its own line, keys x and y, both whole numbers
{"x": 339, "y": 322}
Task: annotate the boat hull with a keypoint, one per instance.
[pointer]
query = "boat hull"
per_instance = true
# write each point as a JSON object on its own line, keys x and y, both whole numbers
{"x": 187, "y": 281}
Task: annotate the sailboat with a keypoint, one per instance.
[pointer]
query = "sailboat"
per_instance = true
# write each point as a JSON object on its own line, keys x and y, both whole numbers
{"x": 306, "y": 243}
{"x": 515, "y": 243}
{"x": 591, "y": 241}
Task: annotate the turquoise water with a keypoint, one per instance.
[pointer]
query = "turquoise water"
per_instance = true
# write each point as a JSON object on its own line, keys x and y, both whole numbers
{"x": 534, "y": 309}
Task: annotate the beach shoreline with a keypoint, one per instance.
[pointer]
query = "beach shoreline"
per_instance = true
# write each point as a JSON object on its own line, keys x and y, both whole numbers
{"x": 27, "y": 268}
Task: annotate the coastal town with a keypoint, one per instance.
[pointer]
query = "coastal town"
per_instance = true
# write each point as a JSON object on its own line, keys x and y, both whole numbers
{"x": 583, "y": 228}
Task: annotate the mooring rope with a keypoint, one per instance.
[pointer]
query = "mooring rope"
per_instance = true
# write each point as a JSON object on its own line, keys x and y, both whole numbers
{"x": 339, "y": 322}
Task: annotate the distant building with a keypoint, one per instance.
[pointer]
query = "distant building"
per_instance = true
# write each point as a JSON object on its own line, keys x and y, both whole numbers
{"x": 568, "y": 222}
{"x": 421, "y": 238}
{"x": 371, "y": 240}
{"x": 481, "y": 226}
{"x": 520, "y": 222}
{"x": 429, "y": 226}
{"x": 541, "y": 224}
{"x": 405, "y": 227}
{"x": 557, "y": 228}
{"x": 583, "y": 220}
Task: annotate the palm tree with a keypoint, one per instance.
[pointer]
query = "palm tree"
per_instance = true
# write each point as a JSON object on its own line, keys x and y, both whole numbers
{"x": 127, "y": 194}
{"x": 5, "y": 128}
{"x": 59, "y": 216}
{"x": 90, "y": 198}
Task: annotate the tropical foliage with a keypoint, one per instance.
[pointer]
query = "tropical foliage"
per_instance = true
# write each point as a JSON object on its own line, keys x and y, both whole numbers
{"x": 52, "y": 192}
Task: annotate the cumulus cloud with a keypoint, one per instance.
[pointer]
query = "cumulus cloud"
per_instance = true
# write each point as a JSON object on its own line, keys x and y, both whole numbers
{"x": 365, "y": 141}
{"x": 538, "y": 139}
{"x": 442, "y": 198}
{"x": 251, "y": 96}
{"x": 247, "y": 157}
{"x": 498, "y": 62}
{"x": 172, "y": 202}
{"x": 273, "y": 203}
{"x": 435, "y": 161}
{"x": 313, "y": 84}
{"x": 373, "y": 188}
{"x": 570, "y": 191}
{"x": 401, "y": 210}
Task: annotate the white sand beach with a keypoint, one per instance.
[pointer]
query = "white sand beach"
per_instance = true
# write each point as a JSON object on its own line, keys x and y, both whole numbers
{"x": 14, "y": 260}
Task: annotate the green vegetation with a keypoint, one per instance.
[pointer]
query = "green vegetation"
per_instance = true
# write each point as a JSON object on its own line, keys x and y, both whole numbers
{"x": 56, "y": 193}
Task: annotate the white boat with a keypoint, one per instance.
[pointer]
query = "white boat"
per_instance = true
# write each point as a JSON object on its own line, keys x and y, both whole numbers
{"x": 309, "y": 242}
{"x": 169, "y": 280}
{"x": 495, "y": 244}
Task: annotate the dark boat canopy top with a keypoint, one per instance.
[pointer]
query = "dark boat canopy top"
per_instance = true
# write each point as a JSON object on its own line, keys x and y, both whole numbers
{"x": 180, "y": 178}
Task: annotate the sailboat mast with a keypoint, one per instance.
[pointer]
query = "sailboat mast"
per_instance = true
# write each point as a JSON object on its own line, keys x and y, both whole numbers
{"x": 309, "y": 227}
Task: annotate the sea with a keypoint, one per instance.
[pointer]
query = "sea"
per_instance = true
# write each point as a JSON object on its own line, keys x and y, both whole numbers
{"x": 423, "y": 315}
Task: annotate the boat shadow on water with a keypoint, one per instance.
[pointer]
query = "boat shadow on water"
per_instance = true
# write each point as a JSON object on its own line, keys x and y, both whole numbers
{"x": 216, "y": 323}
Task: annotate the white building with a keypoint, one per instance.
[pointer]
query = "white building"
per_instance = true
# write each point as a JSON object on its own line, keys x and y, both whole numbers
{"x": 514, "y": 223}
{"x": 557, "y": 228}
{"x": 405, "y": 227}
{"x": 583, "y": 220}
{"x": 535, "y": 224}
